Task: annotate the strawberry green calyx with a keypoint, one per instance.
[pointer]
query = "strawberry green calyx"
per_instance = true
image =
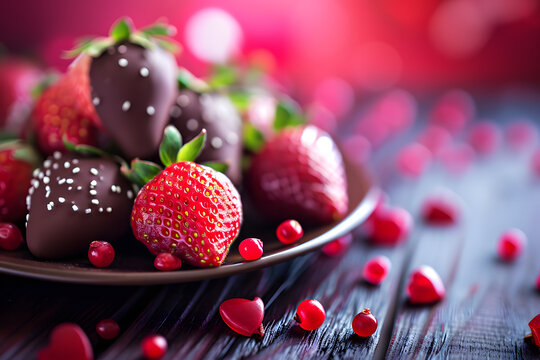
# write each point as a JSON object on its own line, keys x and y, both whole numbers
{"x": 21, "y": 151}
{"x": 123, "y": 30}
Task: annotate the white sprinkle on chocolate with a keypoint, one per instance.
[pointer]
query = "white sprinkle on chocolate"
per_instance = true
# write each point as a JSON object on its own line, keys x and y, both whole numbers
{"x": 75, "y": 161}
{"x": 93, "y": 183}
{"x": 216, "y": 142}
{"x": 175, "y": 112}
{"x": 183, "y": 100}
{"x": 35, "y": 173}
{"x": 130, "y": 194}
{"x": 109, "y": 209}
{"x": 49, "y": 206}
{"x": 88, "y": 211}
{"x": 95, "y": 201}
{"x": 61, "y": 200}
{"x": 67, "y": 164}
{"x": 93, "y": 192}
{"x": 122, "y": 49}
{"x": 57, "y": 155}
{"x": 126, "y": 105}
{"x": 123, "y": 62}
{"x": 46, "y": 180}
{"x": 144, "y": 72}
{"x": 74, "y": 207}
{"x": 55, "y": 166}
{"x": 95, "y": 101}
{"x": 47, "y": 163}
{"x": 192, "y": 124}
{"x": 150, "y": 110}
{"x": 61, "y": 181}
{"x": 76, "y": 170}
{"x": 100, "y": 209}
{"x": 69, "y": 181}
{"x": 79, "y": 187}
{"x": 94, "y": 171}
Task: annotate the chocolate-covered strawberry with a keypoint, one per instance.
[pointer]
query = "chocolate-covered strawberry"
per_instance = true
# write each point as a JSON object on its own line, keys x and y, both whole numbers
{"x": 133, "y": 82}
{"x": 214, "y": 112}
{"x": 73, "y": 201}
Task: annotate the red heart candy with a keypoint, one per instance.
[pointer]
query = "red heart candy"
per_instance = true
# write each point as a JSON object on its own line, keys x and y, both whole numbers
{"x": 440, "y": 210}
{"x": 425, "y": 286}
{"x": 534, "y": 324}
{"x": 243, "y": 316}
{"x": 68, "y": 341}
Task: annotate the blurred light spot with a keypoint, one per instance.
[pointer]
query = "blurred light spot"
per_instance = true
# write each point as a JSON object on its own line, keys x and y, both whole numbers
{"x": 261, "y": 113}
{"x": 521, "y": 134}
{"x": 357, "y": 148}
{"x": 457, "y": 158}
{"x": 321, "y": 117}
{"x": 435, "y": 138}
{"x": 413, "y": 160}
{"x": 213, "y": 35}
{"x": 377, "y": 65}
{"x": 484, "y": 137}
{"x": 453, "y": 110}
{"x": 263, "y": 59}
{"x": 413, "y": 13}
{"x": 336, "y": 95}
{"x": 459, "y": 28}
{"x": 508, "y": 10}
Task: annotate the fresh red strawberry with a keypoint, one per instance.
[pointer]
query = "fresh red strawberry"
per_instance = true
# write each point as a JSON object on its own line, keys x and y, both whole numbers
{"x": 64, "y": 109}
{"x": 187, "y": 209}
{"x": 299, "y": 174}
{"x": 17, "y": 161}
{"x": 17, "y": 79}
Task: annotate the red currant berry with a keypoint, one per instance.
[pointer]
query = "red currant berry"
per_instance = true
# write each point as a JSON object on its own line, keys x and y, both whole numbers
{"x": 100, "y": 254}
{"x": 108, "y": 329}
{"x": 435, "y": 138}
{"x": 440, "y": 210}
{"x": 425, "y": 286}
{"x": 484, "y": 137}
{"x": 376, "y": 270}
{"x": 413, "y": 159}
{"x": 10, "y": 236}
{"x": 251, "y": 249}
{"x": 167, "y": 262}
{"x": 511, "y": 244}
{"x": 453, "y": 110}
{"x": 364, "y": 324}
{"x": 339, "y": 246}
{"x": 389, "y": 226}
{"x": 289, "y": 231}
{"x": 534, "y": 324}
{"x": 154, "y": 347}
{"x": 310, "y": 315}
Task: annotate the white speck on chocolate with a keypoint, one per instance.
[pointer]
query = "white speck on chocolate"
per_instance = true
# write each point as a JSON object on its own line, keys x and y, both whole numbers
{"x": 48, "y": 172}
{"x": 79, "y": 187}
{"x": 88, "y": 211}
{"x": 150, "y": 110}
{"x": 126, "y": 105}
{"x": 231, "y": 138}
{"x": 30, "y": 191}
{"x": 69, "y": 181}
{"x": 47, "y": 163}
{"x": 192, "y": 124}
{"x": 183, "y": 100}
{"x": 40, "y": 175}
{"x": 144, "y": 72}
{"x": 109, "y": 209}
{"x": 123, "y": 62}
{"x": 67, "y": 164}
{"x": 175, "y": 112}
{"x": 70, "y": 187}
{"x": 76, "y": 170}
{"x": 35, "y": 173}
{"x": 95, "y": 101}
{"x": 75, "y": 161}
{"x": 74, "y": 207}
{"x": 57, "y": 155}
{"x": 93, "y": 183}
{"x": 49, "y": 206}
{"x": 55, "y": 166}
{"x": 130, "y": 194}
{"x": 61, "y": 181}
{"x": 95, "y": 201}
{"x": 46, "y": 180}
{"x": 47, "y": 193}
{"x": 122, "y": 49}
{"x": 93, "y": 192}
{"x": 61, "y": 199}
{"x": 94, "y": 171}
{"x": 216, "y": 142}
{"x": 100, "y": 209}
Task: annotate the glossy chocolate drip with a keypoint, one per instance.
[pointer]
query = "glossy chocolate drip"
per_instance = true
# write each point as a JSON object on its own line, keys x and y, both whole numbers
{"x": 133, "y": 89}
{"x": 74, "y": 201}
{"x": 215, "y": 112}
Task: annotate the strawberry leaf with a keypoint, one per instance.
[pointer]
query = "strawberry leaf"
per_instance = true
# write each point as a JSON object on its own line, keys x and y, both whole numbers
{"x": 27, "y": 154}
{"x": 186, "y": 80}
{"x": 121, "y": 29}
{"x": 218, "y": 166}
{"x": 288, "y": 113}
{"x": 159, "y": 28}
{"x": 82, "y": 148}
{"x": 222, "y": 76}
{"x": 192, "y": 149}
{"x": 253, "y": 138}
{"x": 169, "y": 45}
{"x": 170, "y": 145}
{"x": 240, "y": 100}
{"x": 145, "y": 170}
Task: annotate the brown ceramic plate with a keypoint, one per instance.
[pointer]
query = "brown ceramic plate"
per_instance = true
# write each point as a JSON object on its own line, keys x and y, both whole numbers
{"x": 133, "y": 264}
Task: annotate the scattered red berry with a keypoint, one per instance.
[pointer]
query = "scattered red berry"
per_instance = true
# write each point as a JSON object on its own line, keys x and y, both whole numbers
{"x": 364, "y": 324}
{"x": 511, "y": 244}
{"x": 100, "y": 254}
{"x": 244, "y": 316}
{"x": 310, "y": 315}
{"x": 440, "y": 210}
{"x": 154, "y": 347}
{"x": 167, "y": 262}
{"x": 339, "y": 246}
{"x": 435, "y": 138}
{"x": 520, "y": 134}
{"x": 251, "y": 249}
{"x": 413, "y": 160}
{"x": 389, "y": 225}
{"x": 67, "y": 341}
{"x": 457, "y": 158}
{"x": 376, "y": 270}
{"x": 107, "y": 329}
{"x": 425, "y": 286}
{"x": 534, "y": 324}
{"x": 10, "y": 236}
{"x": 289, "y": 231}
{"x": 484, "y": 137}
{"x": 453, "y": 110}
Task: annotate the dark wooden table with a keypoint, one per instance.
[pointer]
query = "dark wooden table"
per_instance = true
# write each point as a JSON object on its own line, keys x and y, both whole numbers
{"x": 484, "y": 314}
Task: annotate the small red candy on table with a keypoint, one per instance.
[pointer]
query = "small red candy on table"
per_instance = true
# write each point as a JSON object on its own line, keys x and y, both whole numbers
{"x": 389, "y": 226}
{"x": 244, "y": 316}
{"x": 154, "y": 347}
{"x": 364, "y": 323}
{"x": 101, "y": 254}
{"x": 289, "y": 231}
{"x": 10, "y": 236}
{"x": 167, "y": 262}
{"x": 376, "y": 270}
{"x": 107, "y": 329}
{"x": 251, "y": 249}
{"x": 425, "y": 286}
{"x": 511, "y": 244}
{"x": 310, "y": 314}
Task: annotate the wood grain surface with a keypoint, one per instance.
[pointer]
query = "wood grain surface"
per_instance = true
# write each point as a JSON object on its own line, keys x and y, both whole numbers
{"x": 484, "y": 314}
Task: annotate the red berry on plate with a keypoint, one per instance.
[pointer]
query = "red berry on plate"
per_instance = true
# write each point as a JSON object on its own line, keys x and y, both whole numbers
{"x": 376, "y": 270}
{"x": 364, "y": 324}
{"x": 289, "y": 231}
{"x": 413, "y": 160}
{"x": 484, "y": 137}
{"x": 511, "y": 244}
{"x": 310, "y": 315}
{"x": 167, "y": 262}
{"x": 425, "y": 286}
{"x": 440, "y": 210}
{"x": 244, "y": 316}
{"x": 389, "y": 225}
{"x": 251, "y": 249}
{"x": 339, "y": 246}
{"x": 100, "y": 254}
{"x": 107, "y": 329}
{"x": 10, "y": 236}
{"x": 154, "y": 347}
{"x": 299, "y": 174}
{"x": 67, "y": 341}
{"x": 534, "y": 324}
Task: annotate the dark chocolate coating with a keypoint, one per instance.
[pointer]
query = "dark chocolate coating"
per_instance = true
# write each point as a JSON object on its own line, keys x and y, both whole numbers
{"x": 74, "y": 201}
{"x": 214, "y": 112}
{"x": 133, "y": 89}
